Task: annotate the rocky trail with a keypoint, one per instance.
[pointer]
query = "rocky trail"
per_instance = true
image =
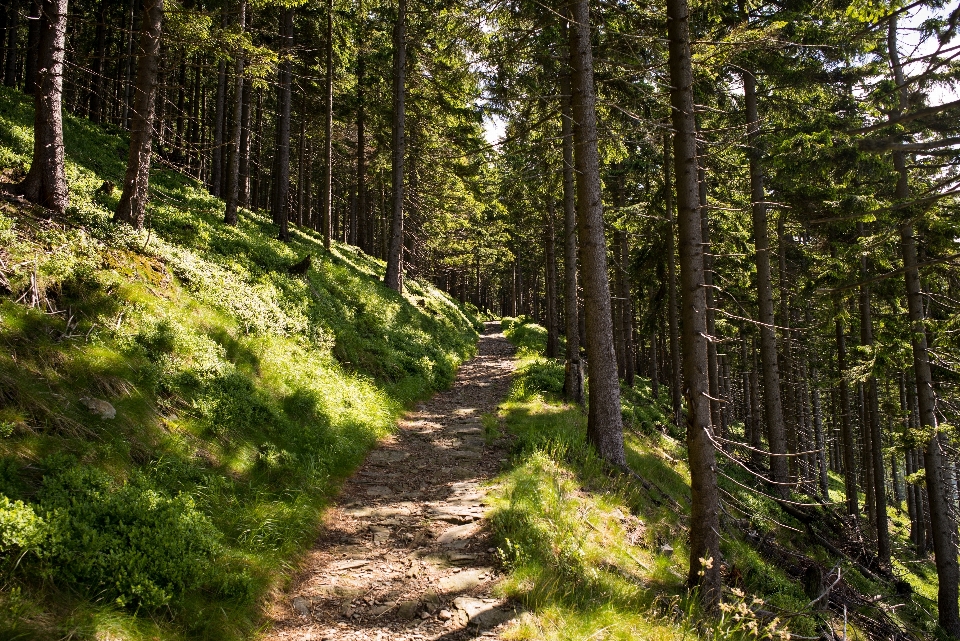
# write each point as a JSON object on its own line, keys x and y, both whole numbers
{"x": 404, "y": 552}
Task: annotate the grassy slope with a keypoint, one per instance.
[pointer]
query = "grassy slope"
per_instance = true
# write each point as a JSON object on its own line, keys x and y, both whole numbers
{"x": 586, "y": 550}
{"x": 242, "y": 394}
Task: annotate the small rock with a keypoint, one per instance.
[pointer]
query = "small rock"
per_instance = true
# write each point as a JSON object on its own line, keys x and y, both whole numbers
{"x": 99, "y": 407}
{"x": 455, "y": 534}
{"x": 347, "y": 611}
{"x": 666, "y": 549}
{"x": 424, "y": 615}
{"x": 350, "y": 564}
{"x": 302, "y": 606}
{"x": 407, "y": 609}
{"x": 445, "y": 615}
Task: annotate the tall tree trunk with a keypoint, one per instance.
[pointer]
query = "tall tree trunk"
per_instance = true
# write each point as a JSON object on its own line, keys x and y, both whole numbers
{"x": 820, "y": 441}
{"x": 846, "y": 427}
{"x": 33, "y": 39}
{"x": 46, "y": 182}
{"x": 712, "y": 359}
{"x": 245, "y": 112}
{"x": 136, "y": 182}
{"x": 256, "y": 186}
{"x": 553, "y": 329}
{"x": 128, "y": 67}
{"x": 573, "y": 369}
{"x": 626, "y": 303}
{"x": 394, "y": 275}
{"x": 358, "y": 232}
{"x": 705, "y": 501}
{"x": 179, "y": 154}
{"x": 301, "y": 157}
{"x": 326, "y": 206}
{"x": 233, "y": 164}
{"x": 943, "y": 527}
{"x": 673, "y": 313}
{"x": 98, "y": 85}
{"x": 281, "y": 206}
{"x": 604, "y": 422}
{"x": 873, "y": 425}
{"x": 776, "y": 430}
{"x": 196, "y": 108}
{"x": 13, "y": 25}
{"x": 219, "y": 116}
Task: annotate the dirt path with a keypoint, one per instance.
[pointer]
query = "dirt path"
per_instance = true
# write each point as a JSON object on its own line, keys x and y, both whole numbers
{"x": 404, "y": 553}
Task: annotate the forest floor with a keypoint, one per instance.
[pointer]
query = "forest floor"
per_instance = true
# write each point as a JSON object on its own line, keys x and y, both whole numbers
{"x": 405, "y": 552}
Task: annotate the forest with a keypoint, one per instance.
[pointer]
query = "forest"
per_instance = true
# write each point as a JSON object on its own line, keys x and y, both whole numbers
{"x": 266, "y": 229}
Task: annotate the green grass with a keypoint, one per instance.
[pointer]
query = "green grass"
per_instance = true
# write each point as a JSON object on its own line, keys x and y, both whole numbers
{"x": 585, "y": 549}
{"x": 243, "y": 397}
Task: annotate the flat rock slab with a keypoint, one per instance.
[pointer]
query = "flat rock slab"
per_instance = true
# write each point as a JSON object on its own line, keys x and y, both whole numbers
{"x": 484, "y": 613}
{"x": 349, "y": 564}
{"x": 387, "y": 456}
{"x": 379, "y": 490}
{"x": 463, "y": 581}
{"x": 375, "y": 512}
{"x": 457, "y": 533}
{"x": 467, "y": 429}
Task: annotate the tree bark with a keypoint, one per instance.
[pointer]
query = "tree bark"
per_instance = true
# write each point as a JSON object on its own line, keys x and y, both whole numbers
{"x": 359, "y": 231}
{"x": 46, "y": 182}
{"x": 873, "y": 425}
{"x": 604, "y": 422}
{"x": 550, "y": 284}
{"x": 326, "y": 206}
{"x": 704, "y": 511}
{"x": 245, "y": 114}
{"x": 673, "y": 314}
{"x": 626, "y": 310}
{"x": 13, "y": 24}
{"x": 136, "y": 182}
{"x": 233, "y": 164}
{"x": 846, "y": 427}
{"x": 573, "y": 369}
{"x": 220, "y": 112}
{"x": 776, "y": 430}
{"x": 281, "y": 206}
{"x": 943, "y": 528}
{"x": 100, "y": 55}
{"x": 394, "y": 274}
{"x": 33, "y": 39}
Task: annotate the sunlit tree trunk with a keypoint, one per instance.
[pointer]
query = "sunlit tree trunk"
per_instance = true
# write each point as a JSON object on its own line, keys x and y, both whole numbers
{"x": 604, "y": 422}
{"x": 573, "y": 370}
{"x": 673, "y": 314}
{"x": 46, "y": 182}
{"x": 233, "y": 163}
{"x": 394, "y": 276}
{"x": 705, "y": 501}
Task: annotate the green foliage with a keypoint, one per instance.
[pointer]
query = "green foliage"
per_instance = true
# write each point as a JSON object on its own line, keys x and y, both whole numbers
{"x": 139, "y": 546}
{"x": 21, "y": 529}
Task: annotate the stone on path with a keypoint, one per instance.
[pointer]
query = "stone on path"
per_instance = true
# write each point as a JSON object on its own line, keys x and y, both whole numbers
{"x": 455, "y": 535}
{"x": 463, "y": 581}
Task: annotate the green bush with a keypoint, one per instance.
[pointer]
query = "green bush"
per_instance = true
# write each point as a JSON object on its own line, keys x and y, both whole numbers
{"x": 136, "y": 544}
{"x": 20, "y": 527}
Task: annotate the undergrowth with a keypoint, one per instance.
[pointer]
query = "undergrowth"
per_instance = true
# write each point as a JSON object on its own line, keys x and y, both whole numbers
{"x": 242, "y": 396}
{"x": 604, "y": 556}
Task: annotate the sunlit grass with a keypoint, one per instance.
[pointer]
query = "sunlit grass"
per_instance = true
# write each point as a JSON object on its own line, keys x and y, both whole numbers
{"x": 594, "y": 554}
